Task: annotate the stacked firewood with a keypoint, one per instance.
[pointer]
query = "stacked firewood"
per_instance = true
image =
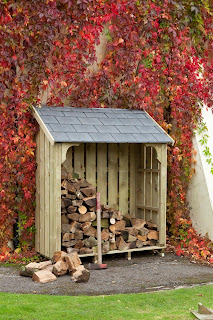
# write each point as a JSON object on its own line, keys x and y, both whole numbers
{"x": 79, "y": 225}
{"x": 61, "y": 263}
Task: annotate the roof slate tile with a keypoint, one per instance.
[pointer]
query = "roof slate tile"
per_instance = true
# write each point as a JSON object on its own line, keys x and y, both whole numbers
{"x": 101, "y": 125}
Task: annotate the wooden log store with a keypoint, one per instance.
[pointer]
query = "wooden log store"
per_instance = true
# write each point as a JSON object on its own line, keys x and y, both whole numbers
{"x": 121, "y": 152}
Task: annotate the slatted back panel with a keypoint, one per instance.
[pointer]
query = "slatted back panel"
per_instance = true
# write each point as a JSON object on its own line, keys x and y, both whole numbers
{"x": 127, "y": 176}
{"x": 147, "y": 183}
{"x": 108, "y": 168}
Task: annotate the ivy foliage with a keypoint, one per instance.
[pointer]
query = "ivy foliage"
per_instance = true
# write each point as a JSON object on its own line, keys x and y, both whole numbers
{"x": 158, "y": 58}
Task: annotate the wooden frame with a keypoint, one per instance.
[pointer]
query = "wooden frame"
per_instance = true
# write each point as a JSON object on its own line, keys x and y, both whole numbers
{"x": 130, "y": 177}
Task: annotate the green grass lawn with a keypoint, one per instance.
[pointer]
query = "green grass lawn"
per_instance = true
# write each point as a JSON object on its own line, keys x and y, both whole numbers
{"x": 173, "y": 304}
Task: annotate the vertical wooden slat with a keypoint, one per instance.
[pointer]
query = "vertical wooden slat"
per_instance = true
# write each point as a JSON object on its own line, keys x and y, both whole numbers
{"x": 79, "y": 160}
{"x": 138, "y": 179}
{"x": 58, "y": 195}
{"x": 163, "y": 184}
{"x": 123, "y": 178}
{"x": 102, "y": 171}
{"x": 113, "y": 175}
{"x": 143, "y": 177}
{"x": 37, "y": 211}
{"x": 52, "y": 200}
{"x": 91, "y": 163}
{"x": 42, "y": 190}
{"x": 47, "y": 197}
{"x": 132, "y": 184}
{"x": 155, "y": 187}
{"x": 148, "y": 183}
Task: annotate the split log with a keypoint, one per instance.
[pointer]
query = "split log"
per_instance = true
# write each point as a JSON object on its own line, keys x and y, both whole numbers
{"x": 105, "y": 247}
{"x": 132, "y": 245}
{"x": 27, "y": 272}
{"x": 90, "y": 242}
{"x": 70, "y": 249}
{"x": 66, "y": 184}
{"x": 132, "y": 231}
{"x": 64, "y": 192}
{"x": 153, "y": 235}
{"x": 112, "y": 238}
{"x": 68, "y": 236}
{"x": 142, "y": 238}
{"x": 82, "y": 183}
{"x": 77, "y": 203}
{"x": 74, "y": 226}
{"x": 112, "y": 246}
{"x": 58, "y": 255}
{"x": 81, "y": 275}
{"x": 74, "y": 216}
{"x": 112, "y": 228}
{"x": 121, "y": 244}
{"x": 71, "y": 209}
{"x": 60, "y": 268}
{"x": 104, "y": 215}
{"x": 43, "y": 276}
{"x": 151, "y": 225}
{"x": 65, "y": 228}
{"x": 82, "y": 210}
{"x": 64, "y": 219}
{"x": 90, "y": 201}
{"x": 89, "y": 216}
{"x": 120, "y": 225}
{"x": 79, "y": 244}
{"x": 89, "y": 192}
{"x": 85, "y": 250}
{"x": 79, "y": 195}
{"x": 125, "y": 235}
{"x": 131, "y": 238}
{"x": 138, "y": 223}
{"x": 70, "y": 196}
{"x": 105, "y": 234}
{"x": 79, "y": 235}
{"x": 86, "y": 226}
{"x": 68, "y": 244}
{"x": 139, "y": 244}
{"x": 143, "y": 231}
{"x": 91, "y": 231}
{"x": 67, "y": 202}
{"x": 73, "y": 261}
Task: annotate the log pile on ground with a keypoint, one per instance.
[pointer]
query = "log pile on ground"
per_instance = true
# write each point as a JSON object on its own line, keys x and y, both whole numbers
{"x": 78, "y": 222}
{"x": 62, "y": 263}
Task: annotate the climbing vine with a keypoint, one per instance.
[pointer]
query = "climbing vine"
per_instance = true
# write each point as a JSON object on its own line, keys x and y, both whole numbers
{"x": 157, "y": 57}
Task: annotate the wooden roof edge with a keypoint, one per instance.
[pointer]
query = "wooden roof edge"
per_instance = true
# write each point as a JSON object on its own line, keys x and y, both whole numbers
{"x": 43, "y": 126}
{"x": 172, "y": 140}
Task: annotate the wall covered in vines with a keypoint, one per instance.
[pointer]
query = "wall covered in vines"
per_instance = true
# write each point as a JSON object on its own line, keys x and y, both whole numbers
{"x": 157, "y": 57}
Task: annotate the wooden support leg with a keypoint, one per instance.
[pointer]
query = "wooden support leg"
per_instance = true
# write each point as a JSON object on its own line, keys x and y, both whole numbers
{"x": 129, "y": 255}
{"x": 161, "y": 252}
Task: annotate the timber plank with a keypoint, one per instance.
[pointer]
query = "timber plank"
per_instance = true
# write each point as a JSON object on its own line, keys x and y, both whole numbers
{"x": 132, "y": 183}
{"x": 113, "y": 175}
{"x": 123, "y": 178}
{"x": 42, "y": 199}
{"x": 102, "y": 171}
{"x": 91, "y": 163}
{"x": 46, "y": 197}
{"x": 37, "y": 211}
{"x": 79, "y": 160}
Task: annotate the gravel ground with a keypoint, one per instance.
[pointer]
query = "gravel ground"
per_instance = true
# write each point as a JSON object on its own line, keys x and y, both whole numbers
{"x": 144, "y": 273}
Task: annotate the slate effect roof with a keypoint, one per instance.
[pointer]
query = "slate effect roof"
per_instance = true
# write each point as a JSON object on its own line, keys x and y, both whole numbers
{"x": 101, "y": 125}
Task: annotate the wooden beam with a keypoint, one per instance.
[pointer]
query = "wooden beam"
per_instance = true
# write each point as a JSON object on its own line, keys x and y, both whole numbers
{"x": 113, "y": 175}
{"x": 43, "y": 126}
